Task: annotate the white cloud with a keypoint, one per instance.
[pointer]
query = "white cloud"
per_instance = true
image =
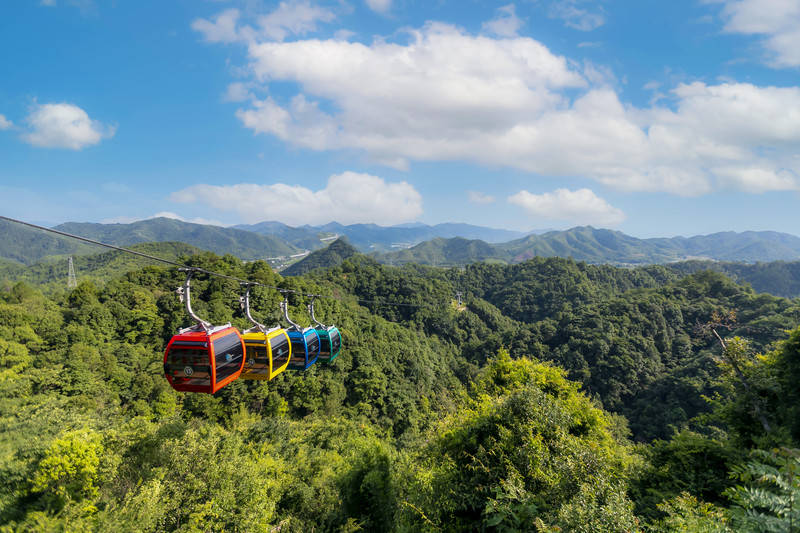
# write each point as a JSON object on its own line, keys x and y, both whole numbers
{"x": 778, "y": 21}
{"x": 379, "y": 6}
{"x": 578, "y": 207}
{"x": 505, "y": 24}
{"x": 577, "y": 17}
{"x": 48, "y": 2}
{"x": 5, "y": 123}
{"x": 222, "y": 29}
{"x": 348, "y": 198}
{"x": 292, "y": 17}
{"x": 477, "y": 197}
{"x": 447, "y": 95}
{"x": 64, "y": 126}
{"x": 434, "y": 98}
{"x": 237, "y": 92}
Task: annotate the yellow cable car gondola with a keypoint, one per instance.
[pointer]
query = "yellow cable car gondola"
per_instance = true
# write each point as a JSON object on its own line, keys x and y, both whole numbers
{"x": 267, "y": 352}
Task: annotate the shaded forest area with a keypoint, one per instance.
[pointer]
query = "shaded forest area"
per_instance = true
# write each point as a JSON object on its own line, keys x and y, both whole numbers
{"x": 560, "y": 397}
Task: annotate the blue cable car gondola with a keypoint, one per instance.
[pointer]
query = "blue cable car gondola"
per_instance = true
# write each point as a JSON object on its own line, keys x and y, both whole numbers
{"x": 330, "y": 340}
{"x": 203, "y": 357}
{"x": 305, "y": 342}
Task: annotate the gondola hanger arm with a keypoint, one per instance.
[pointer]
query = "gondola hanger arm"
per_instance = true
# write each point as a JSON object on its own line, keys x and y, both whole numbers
{"x": 244, "y": 301}
{"x": 285, "y": 308}
{"x": 186, "y": 297}
{"x": 310, "y": 308}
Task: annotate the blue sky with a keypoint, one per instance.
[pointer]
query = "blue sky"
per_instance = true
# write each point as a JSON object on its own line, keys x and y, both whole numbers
{"x": 654, "y": 118}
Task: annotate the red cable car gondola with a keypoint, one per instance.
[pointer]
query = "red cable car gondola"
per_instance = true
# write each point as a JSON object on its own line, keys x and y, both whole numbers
{"x": 203, "y": 357}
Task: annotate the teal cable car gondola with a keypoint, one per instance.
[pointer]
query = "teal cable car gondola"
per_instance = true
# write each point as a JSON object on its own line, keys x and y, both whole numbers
{"x": 330, "y": 340}
{"x": 305, "y": 342}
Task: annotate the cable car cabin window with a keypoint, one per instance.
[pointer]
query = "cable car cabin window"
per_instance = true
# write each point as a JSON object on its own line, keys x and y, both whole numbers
{"x": 280, "y": 350}
{"x": 227, "y": 355}
{"x": 313, "y": 344}
{"x": 298, "y": 350}
{"x": 336, "y": 342}
{"x": 188, "y": 366}
{"x": 257, "y": 355}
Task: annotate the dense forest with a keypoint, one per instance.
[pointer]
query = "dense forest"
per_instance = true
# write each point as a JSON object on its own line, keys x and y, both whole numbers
{"x": 559, "y": 396}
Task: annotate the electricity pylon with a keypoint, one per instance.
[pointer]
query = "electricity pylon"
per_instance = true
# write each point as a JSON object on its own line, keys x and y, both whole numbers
{"x": 72, "y": 281}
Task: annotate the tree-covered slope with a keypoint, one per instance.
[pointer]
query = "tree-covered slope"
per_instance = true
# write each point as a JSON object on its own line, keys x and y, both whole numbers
{"x": 435, "y": 417}
{"x": 25, "y": 245}
{"x": 605, "y": 246}
{"x": 593, "y": 245}
{"x": 444, "y": 252}
{"x": 98, "y": 266}
{"x": 330, "y": 256}
{"x": 242, "y": 244}
{"x": 781, "y": 278}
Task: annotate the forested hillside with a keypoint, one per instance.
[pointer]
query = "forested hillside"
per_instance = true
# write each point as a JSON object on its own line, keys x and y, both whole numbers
{"x": 597, "y": 245}
{"x": 435, "y": 417}
{"x": 243, "y": 244}
{"x": 781, "y": 278}
{"x": 23, "y": 245}
{"x": 332, "y": 255}
{"x": 98, "y": 266}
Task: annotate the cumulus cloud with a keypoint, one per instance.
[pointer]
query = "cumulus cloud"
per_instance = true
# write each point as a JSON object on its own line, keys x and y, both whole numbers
{"x": 379, "y": 6}
{"x": 778, "y": 21}
{"x": 348, "y": 198}
{"x": 447, "y": 95}
{"x": 577, "y": 17}
{"x": 506, "y": 23}
{"x": 64, "y": 126}
{"x": 437, "y": 97}
{"x": 578, "y": 207}
{"x": 5, "y": 123}
{"x": 292, "y": 17}
{"x": 477, "y": 197}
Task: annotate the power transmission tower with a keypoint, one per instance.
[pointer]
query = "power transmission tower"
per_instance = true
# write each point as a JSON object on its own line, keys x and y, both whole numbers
{"x": 72, "y": 281}
{"x": 458, "y": 295}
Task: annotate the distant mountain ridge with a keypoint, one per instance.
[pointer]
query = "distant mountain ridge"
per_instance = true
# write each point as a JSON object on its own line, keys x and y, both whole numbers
{"x": 243, "y": 244}
{"x": 372, "y": 237}
{"x": 27, "y": 245}
{"x": 585, "y": 243}
{"x": 395, "y": 244}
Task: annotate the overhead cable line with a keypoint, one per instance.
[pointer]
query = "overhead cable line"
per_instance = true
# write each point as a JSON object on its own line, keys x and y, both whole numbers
{"x": 202, "y": 270}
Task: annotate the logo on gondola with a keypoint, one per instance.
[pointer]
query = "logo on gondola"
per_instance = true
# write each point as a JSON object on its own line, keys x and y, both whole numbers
{"x": 188, "y": 371}
{"x": 228, "y": 357}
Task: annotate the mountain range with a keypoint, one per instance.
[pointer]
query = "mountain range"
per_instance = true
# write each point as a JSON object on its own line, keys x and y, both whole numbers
{"x": 593, "y": 245}
{"x": 411, "y": 243}
{"x": 374, "y": 238}
{"x": 26, "y": 245}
